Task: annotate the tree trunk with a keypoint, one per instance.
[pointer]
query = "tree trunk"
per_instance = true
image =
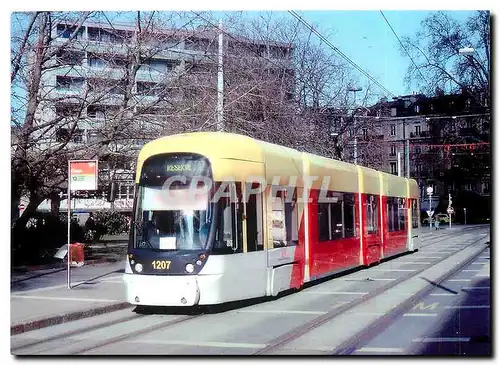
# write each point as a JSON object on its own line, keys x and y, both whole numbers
{"x": 55, "y": 203}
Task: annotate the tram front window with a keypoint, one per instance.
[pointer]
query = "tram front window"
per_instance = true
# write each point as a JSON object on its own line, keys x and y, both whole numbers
{"x": 163, "y": 226}
{"x": 172, "y": 210}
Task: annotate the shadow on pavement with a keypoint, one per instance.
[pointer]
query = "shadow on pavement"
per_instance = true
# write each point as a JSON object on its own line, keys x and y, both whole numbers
{"x": 471, "y": 325}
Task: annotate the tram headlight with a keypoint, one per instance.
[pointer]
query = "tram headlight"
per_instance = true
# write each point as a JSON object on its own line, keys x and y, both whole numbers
{"x": 189, "y": 268}
{"x": 138, "y": 267}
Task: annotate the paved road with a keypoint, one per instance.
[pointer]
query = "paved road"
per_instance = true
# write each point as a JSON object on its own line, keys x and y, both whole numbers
{"x": 250, "y": 326}
{"x": 454, "y": 319}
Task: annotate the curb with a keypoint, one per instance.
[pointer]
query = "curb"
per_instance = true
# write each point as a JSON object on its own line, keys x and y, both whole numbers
{"x": 60, "y": 265}
{"x": 67, "y": 317}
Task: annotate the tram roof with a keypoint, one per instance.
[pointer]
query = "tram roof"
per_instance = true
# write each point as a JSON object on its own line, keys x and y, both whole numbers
{"x": 280, "y": 161}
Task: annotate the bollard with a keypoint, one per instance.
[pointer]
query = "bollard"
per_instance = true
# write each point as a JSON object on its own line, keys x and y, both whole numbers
{"x": 77, "y": 254}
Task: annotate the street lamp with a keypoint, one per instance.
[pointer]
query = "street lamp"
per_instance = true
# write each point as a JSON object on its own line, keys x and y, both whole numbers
{"x": 466, "y": 50}
{"x": 355, "y": 90}
{"x": 429, "y": 192}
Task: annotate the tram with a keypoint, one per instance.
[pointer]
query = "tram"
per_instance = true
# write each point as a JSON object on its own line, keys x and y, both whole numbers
{"x": 220, "y": 217}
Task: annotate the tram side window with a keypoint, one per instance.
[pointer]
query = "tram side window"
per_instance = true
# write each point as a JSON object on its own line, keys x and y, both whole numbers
{"x": 371, "y": 214}
{"x": 414, "y": 213}
{"x": 349, "y": 216}
{"x": 396, "y": 214}
{"x": 285, "y": 220}
{"x": 229, "y": 235}
{"x": 336, "y": 218}
{"x": 402, "y": 213}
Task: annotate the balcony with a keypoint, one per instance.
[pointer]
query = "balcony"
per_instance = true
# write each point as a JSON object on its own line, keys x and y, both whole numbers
{"x": 422, "y": 134}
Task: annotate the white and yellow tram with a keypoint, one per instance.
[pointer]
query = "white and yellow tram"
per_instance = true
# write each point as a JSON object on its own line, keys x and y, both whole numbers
{"x": 221, "y": 217}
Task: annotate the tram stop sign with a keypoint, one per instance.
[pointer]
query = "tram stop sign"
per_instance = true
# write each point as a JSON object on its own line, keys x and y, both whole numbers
{"x": 450, "y": 210}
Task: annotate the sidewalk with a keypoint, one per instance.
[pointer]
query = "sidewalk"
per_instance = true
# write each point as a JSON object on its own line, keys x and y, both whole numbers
{"x": 41, "y": 298}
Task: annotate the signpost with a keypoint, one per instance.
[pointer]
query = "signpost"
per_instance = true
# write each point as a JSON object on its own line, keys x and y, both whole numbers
{"x": 430, "y": 211}
{"x": 82, "y": 175}
{"x": 450, "y": 210}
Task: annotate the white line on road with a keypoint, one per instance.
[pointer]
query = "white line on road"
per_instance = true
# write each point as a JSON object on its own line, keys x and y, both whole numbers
{"x": 202, "y": 343}
{"x": 279, "y": 311}
{"x": 415, "y": 263}
{"x": 483, "y": 275}
{"x": 467, "y": 306}
{"x": 476, "y": 287}
{"x": 381, "y": 349}
{"x": 442, "y": 294}
{"x": 420, "y": 315}
{"x": 337, "y": 292}
{"x": 471, "y": 270}
{"x": 459, "y": 280}
{"x": 441, "y": 339}
{"x": 63, "y": 298}
{"x": 409, "y": 270}
{"x": 428, "y": 257}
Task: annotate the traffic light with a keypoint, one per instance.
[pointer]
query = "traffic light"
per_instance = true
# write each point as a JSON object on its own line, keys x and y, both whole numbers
{"x": 111, "y": 192}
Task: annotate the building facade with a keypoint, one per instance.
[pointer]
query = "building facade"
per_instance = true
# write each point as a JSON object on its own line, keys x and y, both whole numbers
{"x": 89, "y": 82}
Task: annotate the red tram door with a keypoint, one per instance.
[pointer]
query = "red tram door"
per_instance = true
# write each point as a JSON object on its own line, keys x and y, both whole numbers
{"x": 372, "y": 232}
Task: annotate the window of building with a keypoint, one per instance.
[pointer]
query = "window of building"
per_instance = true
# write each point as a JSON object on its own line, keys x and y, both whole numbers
{"x": 419, "y": 168}
{"x": 70, "y": 58}
{"x": 69, "y": 83}
{"x": 418, "y": 150}
{"x": 417, "y": 109}
{"x": 394, "y": 168}
{"x": 417, "y": 130}
{"x": 67, "y": 111}
{"x": 485, "y": 187}
{"x": 371, "y": 214}
{"x": 65, "y": 31}
{"x": 365, "y": 132}
{"x": 396, "y": 214}
{"x": 336, "y": 218}
{"x": 393, "y": 129}
{"x": 393, "y": 150}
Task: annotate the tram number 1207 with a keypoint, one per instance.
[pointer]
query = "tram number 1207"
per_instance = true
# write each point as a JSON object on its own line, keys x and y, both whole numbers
{"x": 161, "y": 264}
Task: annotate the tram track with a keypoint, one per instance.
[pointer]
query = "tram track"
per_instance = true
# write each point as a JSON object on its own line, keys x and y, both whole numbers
{"x": 82, "y": 346}
{"x": 77, "y": 350}
{"x": 307, "y": 327}
{"x": 379, "y": 325}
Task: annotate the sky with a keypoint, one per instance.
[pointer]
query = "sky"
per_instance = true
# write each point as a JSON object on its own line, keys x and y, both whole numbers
{"x": 366, "y": 38}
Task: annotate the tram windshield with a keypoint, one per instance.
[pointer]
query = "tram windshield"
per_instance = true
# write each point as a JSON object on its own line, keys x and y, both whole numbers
{"x": 173, "y": 209}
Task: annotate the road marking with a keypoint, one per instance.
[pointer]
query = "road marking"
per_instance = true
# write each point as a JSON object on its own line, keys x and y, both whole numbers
{"x": 429, "y": 257}
{"x": 381, "y": 349}
{"x": 336, "y": 292}
{"x": 66, "y": 285}
{"x": 441, "y": 339}
{"x": 415, "y": 263}
{"x": 422, "y": 306}
{"x": 409, "y": 270}
{"x": 471, "y": 270}
{"x": 420, "y": 315}
{"x": 476, "y": 288}
{"x": 482, "y": 275}
{"x": 478, "y": 263}
{"x": 459, "y": 280}
{"x": 442, "y": 294}
{"x": 64, "y": 298}
{"x": 202, "y": 343}
{"x": 279, "y": 311}
{"x": 467, "y": 306}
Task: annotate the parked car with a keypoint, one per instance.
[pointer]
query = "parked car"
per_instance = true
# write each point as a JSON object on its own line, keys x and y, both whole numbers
{"x": 442, "y": 218}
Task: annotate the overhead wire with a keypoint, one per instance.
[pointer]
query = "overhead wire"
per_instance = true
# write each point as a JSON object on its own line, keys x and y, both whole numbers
{"x": 402, "y": 45}
{"x": 329, "y": 44}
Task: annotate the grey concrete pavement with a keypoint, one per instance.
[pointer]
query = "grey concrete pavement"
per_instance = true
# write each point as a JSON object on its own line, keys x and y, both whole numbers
{"x": 247, "y": 327}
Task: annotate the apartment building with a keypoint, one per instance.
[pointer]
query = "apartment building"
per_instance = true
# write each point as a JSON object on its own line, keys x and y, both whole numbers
{"x": 94, "y": 68}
